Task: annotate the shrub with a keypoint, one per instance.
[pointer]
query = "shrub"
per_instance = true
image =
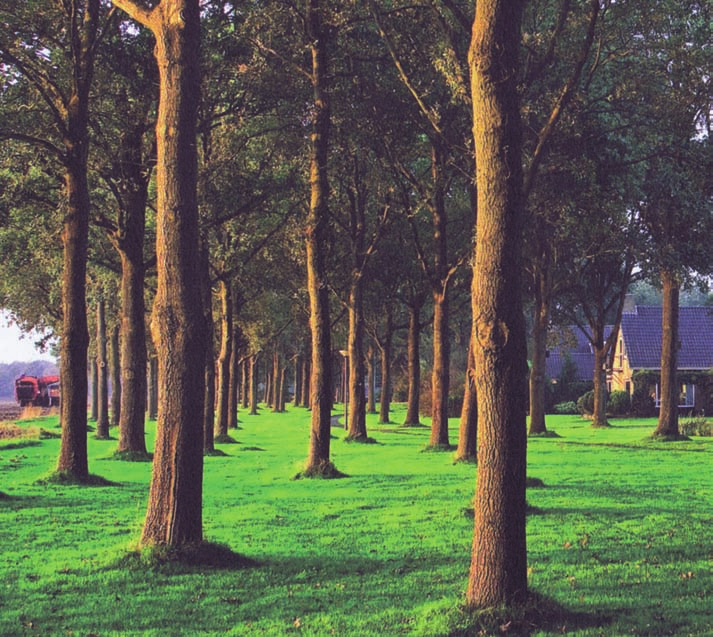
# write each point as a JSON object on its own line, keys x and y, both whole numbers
{"x": 696, "y": 426}
{"x": 642, "y": 403}
{"x": 619, "y": 403}
{"x": 568, "y": 408}
{"x": 585, "y": 403}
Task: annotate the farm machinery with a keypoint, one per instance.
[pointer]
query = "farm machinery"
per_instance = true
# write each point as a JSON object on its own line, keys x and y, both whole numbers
{"x": 38, "y": 391}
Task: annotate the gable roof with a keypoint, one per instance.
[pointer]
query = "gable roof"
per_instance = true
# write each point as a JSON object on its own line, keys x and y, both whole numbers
{"x": 641, "y": 331}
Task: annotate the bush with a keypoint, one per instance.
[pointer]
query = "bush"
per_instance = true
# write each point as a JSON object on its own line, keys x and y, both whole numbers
{"x": 619, "y": 403}
{"x": 642, "y": 403}
{"x": 585, "y": 404}
{"x": 696, "y": 426}
{"x": 568, "y": 408}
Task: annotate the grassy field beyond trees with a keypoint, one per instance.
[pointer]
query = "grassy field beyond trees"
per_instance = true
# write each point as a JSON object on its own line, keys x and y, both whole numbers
{"x": 619, "y": 537}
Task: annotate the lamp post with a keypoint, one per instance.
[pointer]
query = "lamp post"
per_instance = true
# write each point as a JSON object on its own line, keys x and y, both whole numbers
{"x": 345, "y": 376}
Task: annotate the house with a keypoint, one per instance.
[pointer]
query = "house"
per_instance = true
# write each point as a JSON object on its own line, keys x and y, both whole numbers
{"x": 637, "y": 359}
{"x": 571, "y": 347}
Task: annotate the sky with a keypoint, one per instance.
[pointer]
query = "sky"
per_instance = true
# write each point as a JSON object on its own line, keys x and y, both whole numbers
{"x": 16, "y": 346}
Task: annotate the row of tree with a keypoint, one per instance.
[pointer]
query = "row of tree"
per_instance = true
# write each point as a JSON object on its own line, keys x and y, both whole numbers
{"x": 359, "y": 143}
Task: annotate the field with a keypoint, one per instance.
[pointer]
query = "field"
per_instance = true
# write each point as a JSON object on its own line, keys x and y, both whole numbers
{"x": 620, "y": 538}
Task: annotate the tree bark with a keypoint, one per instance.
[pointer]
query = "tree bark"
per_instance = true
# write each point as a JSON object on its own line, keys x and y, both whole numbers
{"x": 74, "y": 343}
{"x": 599, "y": 416}
{"x": 174, "y": 513}
{"x": 540, "y": 323}
{"x": 234, "y": 389}
{"x": 386, "y": 351}
{"x": 94, "y": 379}
{"x": 209, "y": 401}
{"x": 413, "y": 417}
{"x": 467, "y": 450}
{"x": 254, "y": 367}
{"x": 316, "y": 243}
{"x": 115, "y": 362}
{"x": 440, "y": 377}
{"x": 102, "y": 431}
{"x": 668, "y": 413}
{"x": 245, "y": 378}
{"x": 152, "y": 402}
{"x": 370, "y": 381}
{"x": 356, "y": 428}
{"x": 226, "y": 340}
{"x": 498, "y": 573}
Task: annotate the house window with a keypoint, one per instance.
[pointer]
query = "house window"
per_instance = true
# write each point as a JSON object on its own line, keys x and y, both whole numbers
{"x": 686, "y": 397}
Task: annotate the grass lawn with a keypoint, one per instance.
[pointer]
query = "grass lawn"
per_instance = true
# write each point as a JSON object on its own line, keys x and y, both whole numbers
{"x": 620, "y": 537}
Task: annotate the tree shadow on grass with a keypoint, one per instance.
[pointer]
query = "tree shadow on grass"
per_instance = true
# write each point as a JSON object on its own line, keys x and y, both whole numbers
{"x": 182, "y": 560}
{"x": 68, "y": 479}
{"x": 537, "y": 614}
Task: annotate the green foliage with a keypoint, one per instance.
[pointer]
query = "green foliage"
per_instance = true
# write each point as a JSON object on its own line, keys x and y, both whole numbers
{"x": 696, "y": 426}
{"x": 585, "y": 403}
{"x": 642, "y": 403}
{"x": 619, "y": 403}
{"x": 568, "y": 408}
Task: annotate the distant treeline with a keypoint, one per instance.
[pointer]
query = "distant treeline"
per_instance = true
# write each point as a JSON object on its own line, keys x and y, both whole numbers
{"x": 10, "y": 371}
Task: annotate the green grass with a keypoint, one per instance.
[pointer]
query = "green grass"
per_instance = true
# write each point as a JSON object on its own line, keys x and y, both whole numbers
{"x": 620, "y": 538}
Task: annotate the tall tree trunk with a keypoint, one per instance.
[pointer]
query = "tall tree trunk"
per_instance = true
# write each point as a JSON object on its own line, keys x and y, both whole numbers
{"x": 254, "y": 368}
{"x": 130, "y": 244}
{"x": 316, "y": 243}
{"x": 174, "y": 514}
{"x": 102, "y": 431}
{"x": 370, "y": 381}
{"x": 306, "y": 380}
{"x": 668, "y": 414}
{"x": 209, "y": 364}
{"x": 540, "y": 323}
{"x": 386, "y": 350}
{"x": 74, "y": 343}
{"x": 115, "y": 365}
{"x": 226, "y": 340}
{"x": 440, "y": 377}
{"x": 414, "y": 363}
{"x": 298, "y": 380}
{"x": 498, "y": 573}
{"x": 94, "y": 378}
{"x": 245, "y": 378}
{"x": 277, "y": 377}
{"x": 599, "y": 417}
{"x": 468, "y": 431}
{"x": 234, "y": 388}
{"x": 152, "y": 394}
{"x": 356, "y": 429}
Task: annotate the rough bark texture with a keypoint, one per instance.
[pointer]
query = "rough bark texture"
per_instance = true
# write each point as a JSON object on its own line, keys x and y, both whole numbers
{"x": 174, "y": 513}
{"x": 102, "y": 430}
{"x": 356, "y": 428}
{"x": 386, "y": 350}
{"x": 209, "y": 403}
{"x": 370, "y": 381}
{"x": 115, "y": 366}
{"x": 468, "y": 431}
{"x": 414, "y": 363}
{"x": 498, "y": 574}
{"x": 226, "y": 342}
{"x": 316, "y": 244}
{"x": 74, "y": 343}
{"x": 234, "y": 388}
{"x": 152, "y": 392}
{"x": 440, "y": 377}
{"x": 130, "y": 243}
{"x": 599, "y": 417}
{"x": 253, "y": 383}
{"x": 540, "y": 322}
{"x": 668, "y": 414}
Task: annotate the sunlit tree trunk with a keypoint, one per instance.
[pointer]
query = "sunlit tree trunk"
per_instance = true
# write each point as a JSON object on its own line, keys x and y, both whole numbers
{"x": 226, "y": 340}
{"x": 234, "y": 389}
{"x": 102, "y": 431}
{"x": 498, "y": 573}
{"x": 316, "y": 243}
{"x": 668, "y": 414}
{"x": 174, "y": 514}
{"x": 115, "y": 367}
{"x": 540, "y": 323}
{"x": 74, "y": 343}
{"x": 467, "y": 450}
{"x": 414, "y": 362}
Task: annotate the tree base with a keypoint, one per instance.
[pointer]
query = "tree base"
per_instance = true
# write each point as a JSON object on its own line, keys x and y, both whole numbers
{"x": 668, "y": 437}
{"x": 200, "y": 555}
{"x": 208, "y": 453}
{"x": 439, "y": 448}
{"x": 128, "y": 455}
{"x": 67, "y": 478}
{"x": 324, "y": 471}
{"x": 365, "y": 440}
{"x": 535, "y": 613}
{"x": 600, "y": 424}
{"x": 225, "y": 439}
{"x": 466, "y": 459}
{"x": 544, "y": 434}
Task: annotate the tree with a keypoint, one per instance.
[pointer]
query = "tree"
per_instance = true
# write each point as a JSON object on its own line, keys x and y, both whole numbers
{"x": 174, "y": 515}
{"x": 498, "y": 573}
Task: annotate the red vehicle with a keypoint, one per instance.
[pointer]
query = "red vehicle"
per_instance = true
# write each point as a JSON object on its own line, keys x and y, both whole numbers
{"x": 42, "y": 391}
